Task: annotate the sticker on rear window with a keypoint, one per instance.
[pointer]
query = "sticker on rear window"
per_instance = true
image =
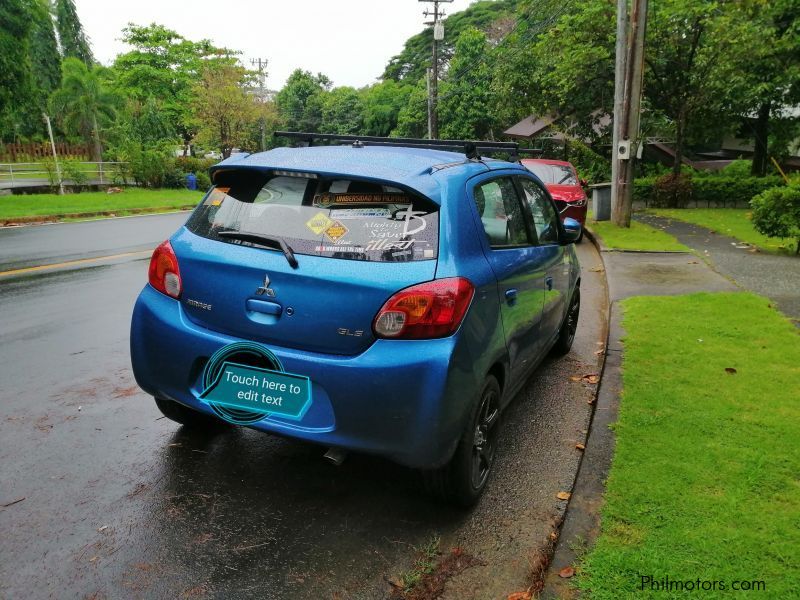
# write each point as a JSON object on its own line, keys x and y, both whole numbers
{"x": 360, "y": 213}
{"x": 336, "y": 231}
{"x": 329, "y": 199}
{"x": 319, "y": 223}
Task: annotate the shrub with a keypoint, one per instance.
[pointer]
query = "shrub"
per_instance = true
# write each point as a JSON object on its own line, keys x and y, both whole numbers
{"x": 708, "y": 190}
{"x": 776, "y": 213}
{"x": 738, "y": 168}
{"x": 673, "y": 191}
{"x": 75, "y": 171}
{"x": 203, "y": 181}
{"x": 590, "y": 165}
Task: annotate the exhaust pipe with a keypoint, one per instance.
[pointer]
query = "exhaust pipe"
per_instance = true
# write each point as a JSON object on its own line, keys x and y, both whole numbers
{"x": 335, "y": 456}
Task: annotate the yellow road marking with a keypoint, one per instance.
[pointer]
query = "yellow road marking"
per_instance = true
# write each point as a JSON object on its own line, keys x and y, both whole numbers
{"x": 70, "y": 263}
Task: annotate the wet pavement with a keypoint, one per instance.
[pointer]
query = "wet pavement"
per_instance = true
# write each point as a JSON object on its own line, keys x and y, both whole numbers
{"x": 776, "y": 276}
{"x": 107, "y": 499}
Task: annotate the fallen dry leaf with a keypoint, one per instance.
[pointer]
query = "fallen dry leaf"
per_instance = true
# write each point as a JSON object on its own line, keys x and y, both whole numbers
{"x": 520, "y": 596}
{"x": 580, "y": 447}
{"x": 590, "y": 401}
{"x": 592, "y": 378}
{"x": 730, "y": 370}
{"x": 576, "y": 378}
{"x": 566, "y": 572}
{"x": 596, "y": 270}
{"x": 553, "y": 536}
{"x": 563, "y": 495}
{"x": 601, "y": 351}
{"x": 693, "y": 262}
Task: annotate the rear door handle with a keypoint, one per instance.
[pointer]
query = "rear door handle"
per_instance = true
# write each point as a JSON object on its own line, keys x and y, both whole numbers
{"x": 511, "y": 296}
{"x": 548, "y": 281}
{"x": 266, "y": 308}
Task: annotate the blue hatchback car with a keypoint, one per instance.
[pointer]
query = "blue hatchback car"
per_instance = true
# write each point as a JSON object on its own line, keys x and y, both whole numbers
{"x": 387, "y": 300}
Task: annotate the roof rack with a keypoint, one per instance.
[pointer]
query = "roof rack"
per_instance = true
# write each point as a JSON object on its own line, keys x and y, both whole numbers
{"x": 471, "y": 148}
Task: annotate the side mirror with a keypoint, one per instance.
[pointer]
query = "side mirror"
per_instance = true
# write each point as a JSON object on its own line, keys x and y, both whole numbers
{"x": 572, "y": 231}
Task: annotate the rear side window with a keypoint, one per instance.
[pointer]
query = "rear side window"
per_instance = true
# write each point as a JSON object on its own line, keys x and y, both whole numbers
{"x": 501, "y": 213}
{"x": 336, "y": 218}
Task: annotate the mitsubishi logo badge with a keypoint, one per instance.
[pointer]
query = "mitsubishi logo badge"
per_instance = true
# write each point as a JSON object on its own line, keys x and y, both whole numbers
{"x": 265, "y": 290}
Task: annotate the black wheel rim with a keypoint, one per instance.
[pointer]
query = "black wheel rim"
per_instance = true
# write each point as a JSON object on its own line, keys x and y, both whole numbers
{"x": 483, "y": 442}
{"x": 572, "y": 317}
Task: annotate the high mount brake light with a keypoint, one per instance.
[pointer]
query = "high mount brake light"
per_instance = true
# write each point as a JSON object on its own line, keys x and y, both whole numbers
{"x": 429, "y": 310}
{"x": 164, "y": 274}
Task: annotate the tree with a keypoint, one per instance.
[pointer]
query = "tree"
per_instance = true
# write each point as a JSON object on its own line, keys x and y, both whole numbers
{"x": 769, "y": 79}
{"x": 413, "y": 118}
{"x": 15, "y": 25}
{"x": 464, "y": 105}
{"x": 74, "y": 42}
{"x": 693, "y": 51}
{"x": 342, "y": 111}
{"x": 411, "y": 64}
{"x": 44, "y": 55}
{"x": 382, "y": 104}
{"x": 84, "y": 102}
{"x": 165, "y": 66}
{"x": 222, "y": 108}
{"x": 300, "y": 101}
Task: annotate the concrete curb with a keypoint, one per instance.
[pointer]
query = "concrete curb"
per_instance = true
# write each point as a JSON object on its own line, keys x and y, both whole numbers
{"x": 581, "y": 523}
{"x": 82, "y": 217}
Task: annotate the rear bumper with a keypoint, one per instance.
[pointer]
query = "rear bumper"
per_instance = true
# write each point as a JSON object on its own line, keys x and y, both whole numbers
{"x": 405, "y": 400}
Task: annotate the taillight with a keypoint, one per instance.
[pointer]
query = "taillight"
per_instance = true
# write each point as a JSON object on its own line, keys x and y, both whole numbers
{"x": 429, "y": 310}
{"x": 164, "y": 273}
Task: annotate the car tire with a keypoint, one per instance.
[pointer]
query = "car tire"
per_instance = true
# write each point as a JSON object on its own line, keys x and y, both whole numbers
{"x": 188, "y": 417}
{"x": 462, "y": 480}
{"x": 566, "y": 334}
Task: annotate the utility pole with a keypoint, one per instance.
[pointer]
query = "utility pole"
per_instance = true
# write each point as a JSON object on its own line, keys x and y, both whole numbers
{"x": 261, "y": 66}
{"x": 55, "y": 155}
{"x": 433, "y": 94}
{"x": 627, "y": 105}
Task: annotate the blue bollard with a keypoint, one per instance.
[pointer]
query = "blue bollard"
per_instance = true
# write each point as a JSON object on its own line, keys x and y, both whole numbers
{"x": 191, "y": 181}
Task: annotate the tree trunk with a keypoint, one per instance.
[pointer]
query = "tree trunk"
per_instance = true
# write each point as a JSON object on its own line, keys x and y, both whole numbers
{"x": 677, "y": 163}
{"x": 97, "y": 147}
{"x": 761, "y": 131}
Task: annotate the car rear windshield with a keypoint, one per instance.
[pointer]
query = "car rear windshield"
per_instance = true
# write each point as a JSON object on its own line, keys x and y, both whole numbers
{"x": 336, "y": 218}
{"x": 557, "y": 174}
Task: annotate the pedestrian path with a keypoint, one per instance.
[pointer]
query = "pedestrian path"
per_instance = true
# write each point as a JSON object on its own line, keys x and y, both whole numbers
{"x": 775, "y": 276}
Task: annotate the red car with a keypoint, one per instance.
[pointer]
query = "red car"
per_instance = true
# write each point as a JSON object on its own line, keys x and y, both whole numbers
{"x": 561, "y": 180}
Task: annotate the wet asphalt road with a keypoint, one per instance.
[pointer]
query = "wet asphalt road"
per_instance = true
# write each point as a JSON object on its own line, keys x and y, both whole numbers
{"x": 119, "y": 502}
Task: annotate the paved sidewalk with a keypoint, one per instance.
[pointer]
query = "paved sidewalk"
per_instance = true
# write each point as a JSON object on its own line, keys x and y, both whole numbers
{"x": 775, "y": 276}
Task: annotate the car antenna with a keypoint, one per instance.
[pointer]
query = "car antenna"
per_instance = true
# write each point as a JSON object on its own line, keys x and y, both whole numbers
{"x": 471, "y": 151}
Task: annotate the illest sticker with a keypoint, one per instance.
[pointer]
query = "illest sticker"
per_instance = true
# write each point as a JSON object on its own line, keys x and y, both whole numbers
{"x": 319, "y": 223}
{"x": 336, "y": 231}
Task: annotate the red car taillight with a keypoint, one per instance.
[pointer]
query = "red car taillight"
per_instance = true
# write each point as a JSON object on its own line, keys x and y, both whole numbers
{"x": 429, "y": 310}
{"x": 164, "y": 274}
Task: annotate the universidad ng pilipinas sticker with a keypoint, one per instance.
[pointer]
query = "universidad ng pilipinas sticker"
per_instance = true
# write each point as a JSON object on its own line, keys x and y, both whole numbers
{"x": 244, "y": 394}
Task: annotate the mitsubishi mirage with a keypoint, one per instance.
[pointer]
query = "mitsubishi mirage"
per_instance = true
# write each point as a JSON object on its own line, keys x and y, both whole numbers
{"x": 364, "y": 297}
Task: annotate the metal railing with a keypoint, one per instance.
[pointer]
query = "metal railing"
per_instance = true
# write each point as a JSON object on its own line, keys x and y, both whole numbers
{"x": 17, "y": 174}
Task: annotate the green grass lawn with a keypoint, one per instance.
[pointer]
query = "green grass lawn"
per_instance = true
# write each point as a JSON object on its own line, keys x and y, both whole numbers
{"x": 130, "y": 201}
{"x": 705, "y": 481}
{"x": 733, "y": 222}
{"x": 638, "y": 237}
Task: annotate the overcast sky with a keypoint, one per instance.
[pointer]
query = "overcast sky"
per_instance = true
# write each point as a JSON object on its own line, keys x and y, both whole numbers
{"x": 349, "y": 40}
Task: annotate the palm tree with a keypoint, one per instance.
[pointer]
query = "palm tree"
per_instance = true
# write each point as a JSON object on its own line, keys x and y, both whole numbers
{"x": 83, "y": 102}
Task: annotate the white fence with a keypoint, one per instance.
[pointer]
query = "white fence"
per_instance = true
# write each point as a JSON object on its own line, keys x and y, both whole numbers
{"x": 72, "y": 173}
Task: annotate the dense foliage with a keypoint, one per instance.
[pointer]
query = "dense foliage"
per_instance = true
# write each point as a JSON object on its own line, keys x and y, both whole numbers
{"x": 712, "y": 69}
{"x": 776, "y": 213}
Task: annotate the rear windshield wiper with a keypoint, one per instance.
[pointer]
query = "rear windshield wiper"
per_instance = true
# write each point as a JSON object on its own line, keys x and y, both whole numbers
{"x": 270, "y": 241}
